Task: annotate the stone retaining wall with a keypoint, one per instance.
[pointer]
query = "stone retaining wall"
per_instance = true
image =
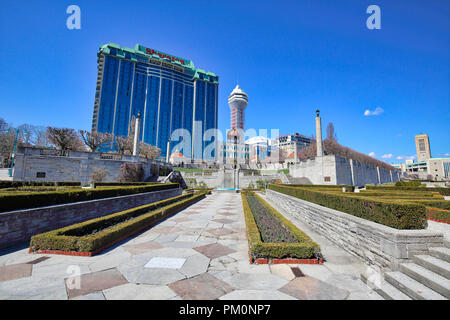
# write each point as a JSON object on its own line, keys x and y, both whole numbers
{"x": 19, "y": 226}
{"x": 375, "y": 244}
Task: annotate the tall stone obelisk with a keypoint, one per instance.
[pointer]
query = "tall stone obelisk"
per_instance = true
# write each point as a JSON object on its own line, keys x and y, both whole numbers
{"x": 136, "y": 135}
{"x": 319, "y": 135}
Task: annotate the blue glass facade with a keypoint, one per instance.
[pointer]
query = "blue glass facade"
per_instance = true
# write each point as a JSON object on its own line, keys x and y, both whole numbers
{"x": 168, "y": 92}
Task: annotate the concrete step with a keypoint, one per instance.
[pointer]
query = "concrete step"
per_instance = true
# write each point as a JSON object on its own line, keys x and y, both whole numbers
{"x": 434, "y": 264}
{"x": 440, "y": 253}
{"x": 432, "y": 280}
{"x": 385, "y": 289}
{"x": 446, "y": 243}
{"x": 411, "y": 287}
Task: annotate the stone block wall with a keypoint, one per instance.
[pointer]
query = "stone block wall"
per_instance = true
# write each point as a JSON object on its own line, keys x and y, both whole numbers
{"x": 375, "y": 244}
{"x": 75, "y": 166}
{"x": 335, "y": 170}
{"x": 20, "y": 225}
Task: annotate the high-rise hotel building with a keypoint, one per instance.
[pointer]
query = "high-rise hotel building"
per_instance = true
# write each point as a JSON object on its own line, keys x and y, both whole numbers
{"x": 168, "y": 92}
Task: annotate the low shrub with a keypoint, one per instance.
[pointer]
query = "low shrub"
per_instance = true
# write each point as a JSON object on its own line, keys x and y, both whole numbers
{"x": 415, "y": 183}
{"x": 304, "y": 248}
{"x": 18, "y": 184}
{"x": 438, "y": 214}
{"x": 97, "y": 234}
{"x": 21, "y": 200}
{"x": 108, "y": 184}
{"x": 442, "y": 191}
{"x": 131, "y": 172}
{"x": 397, "y": 214}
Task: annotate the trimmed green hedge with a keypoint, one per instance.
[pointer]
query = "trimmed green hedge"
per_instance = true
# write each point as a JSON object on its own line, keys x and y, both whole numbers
{"x": 304, "y": 249}
{"x": 438, "y": 214}
{"x": 393, "y": 213}
{"x": 18, "y": 184}
{"x": 110, "y": 184}
{"x": 442, "y": 191}
{"x": 22, "y": 200}
{"x": 97, "y": 234}
{"x": 414, "y": 183}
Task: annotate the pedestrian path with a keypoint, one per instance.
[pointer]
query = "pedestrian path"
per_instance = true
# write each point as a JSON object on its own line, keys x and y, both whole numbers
{"x": 198, "y": 253}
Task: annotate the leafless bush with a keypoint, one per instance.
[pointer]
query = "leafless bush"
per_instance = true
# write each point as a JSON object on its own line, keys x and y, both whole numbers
{"x": 98, "y": 175}
{"x": 131, "y": 172}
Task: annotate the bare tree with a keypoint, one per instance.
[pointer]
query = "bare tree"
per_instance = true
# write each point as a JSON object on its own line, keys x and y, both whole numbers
{"x": 148, "y": 151}
{"x": 93, "y": 140}
{"x": 124, "y": 144}
{"x": 32, "y": 135}
{"x": 65, "y": 139}
{"x": 309, "y": 152}
{"x": 3, "y": 125}
{"x": 331, "y": 134}
{"x": 331, "y": 146}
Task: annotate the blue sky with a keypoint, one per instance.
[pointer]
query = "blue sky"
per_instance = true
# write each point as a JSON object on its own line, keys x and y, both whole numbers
{"x": 291, "y": 57}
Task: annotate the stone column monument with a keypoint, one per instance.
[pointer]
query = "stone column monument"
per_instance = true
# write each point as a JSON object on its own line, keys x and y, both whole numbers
{"x": 136, "y": 135}
{"x": 319, "y": 135}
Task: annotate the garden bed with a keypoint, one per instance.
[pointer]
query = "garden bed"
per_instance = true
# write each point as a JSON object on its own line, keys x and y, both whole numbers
{"x": 395, "y": 213}
{"x": 15, "y": 200}
{"x": 274, "y": 239}
{"x": 95, "y": 235}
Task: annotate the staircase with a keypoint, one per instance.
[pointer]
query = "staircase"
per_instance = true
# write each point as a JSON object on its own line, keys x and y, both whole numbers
{"x": 292, "y": 180}
{"x": 425, "y": 277}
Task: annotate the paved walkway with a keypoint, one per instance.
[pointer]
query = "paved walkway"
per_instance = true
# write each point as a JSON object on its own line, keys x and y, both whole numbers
{"x": 199, "y": 253}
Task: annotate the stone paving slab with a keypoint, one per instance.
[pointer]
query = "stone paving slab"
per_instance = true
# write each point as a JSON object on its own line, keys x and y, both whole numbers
{"x": 15, "y": 271}
{"x": 96, "y": 281}
{"x": 308, "y": 288}
{"x": 163, "y": 262}
{"x": 143, "y": 247}
{"x": 256, "y": 295}
{"x": 260, "y": 281}
{"x": 214, "y": 250}
{"x": 131, "y": 291}
{"x": 220, "y": 231}
{"x": 202, "y": 287}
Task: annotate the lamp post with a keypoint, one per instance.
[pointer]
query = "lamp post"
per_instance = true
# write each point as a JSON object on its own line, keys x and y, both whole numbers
{"x": 168, "y": 150}
{"x": 14, "y": 150}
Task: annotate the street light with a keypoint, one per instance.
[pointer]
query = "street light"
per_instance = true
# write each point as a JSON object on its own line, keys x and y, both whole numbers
{"x": 14, "y": 150}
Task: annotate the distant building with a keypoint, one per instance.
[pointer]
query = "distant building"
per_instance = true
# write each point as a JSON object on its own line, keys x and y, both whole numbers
{"x": 260, "y": 148}
{"x": 291, "y": 144}
{"x": 169, "y": 92}
{"x": 439, "y": 168}
{"x": 422, "y": 147}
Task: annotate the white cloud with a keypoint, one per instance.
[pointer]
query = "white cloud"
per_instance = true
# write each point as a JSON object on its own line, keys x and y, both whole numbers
{"x": 375, "y": 112}
{"x": 406, "y": 157}
{"x": 372, "y": 154}
{"x": 387, "y": 156}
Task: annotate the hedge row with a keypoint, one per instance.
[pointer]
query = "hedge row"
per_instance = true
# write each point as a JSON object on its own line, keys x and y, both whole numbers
{"x": 18, "y": 184}
{"x": 22, "y": 200}
{"x": 414, "y": 183}
{"x": 322, "y": 186}
{"x": 438, "y": 214}
{"x": 442, "y": 191}
{"x": 304, "y": 249}
{"x": 107, "y": 184}
{"x": 393, "y": 213}
{"x": 97, "y": 234}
